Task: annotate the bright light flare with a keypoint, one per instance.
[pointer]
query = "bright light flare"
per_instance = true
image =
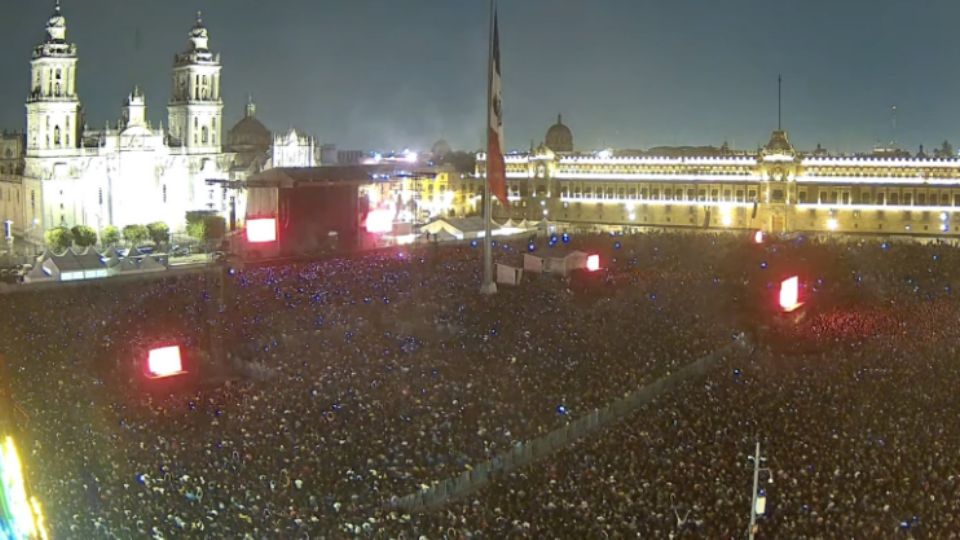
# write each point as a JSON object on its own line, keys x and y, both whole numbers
{"x": 261, "y": 230}
{"x": 593, "y": 263}
{"x": 380, "y": 221}
{"x": 20, "y": 517}
{"x": 758, "y": 237}
{"x": 164, "y": 362}
{"x": 832, "y": 224}
{"x": 790, "y": 294}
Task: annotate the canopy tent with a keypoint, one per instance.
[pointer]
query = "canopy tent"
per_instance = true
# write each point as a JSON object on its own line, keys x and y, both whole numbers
{"x": 68, "y": 266}
{"x": 138, "y": 266}
{"x": 470, "y": 228}
{"x": 88, "y": 264}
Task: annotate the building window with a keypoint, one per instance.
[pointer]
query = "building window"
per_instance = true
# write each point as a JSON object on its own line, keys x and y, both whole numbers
{"x": 205, "y": 135}
{"x": 777, "y": 195}
{"x": 100, "y": 196}
{"x": 802, "y": 197}
{"x": 33, "y": 201}
{"x": 164, "y": 193}
{"x": 56, "y": 135}
{"x": 921, "y": 199}
{"x": 894, "y": 198}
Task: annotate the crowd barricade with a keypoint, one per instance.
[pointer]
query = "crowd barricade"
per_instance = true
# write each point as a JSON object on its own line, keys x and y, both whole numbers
{"x": 525, "y": 453}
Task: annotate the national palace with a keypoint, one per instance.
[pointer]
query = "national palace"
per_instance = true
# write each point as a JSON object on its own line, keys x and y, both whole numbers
{"x": 777, "y": 189}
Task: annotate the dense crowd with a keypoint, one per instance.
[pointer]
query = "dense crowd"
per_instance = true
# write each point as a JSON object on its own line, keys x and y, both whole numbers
{"x": 348, "y": 382}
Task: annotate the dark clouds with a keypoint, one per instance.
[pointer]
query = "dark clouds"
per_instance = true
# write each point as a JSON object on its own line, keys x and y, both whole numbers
{"x": 625, "y": 73}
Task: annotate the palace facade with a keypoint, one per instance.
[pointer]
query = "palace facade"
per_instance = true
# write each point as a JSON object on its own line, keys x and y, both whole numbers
{"x": 777, "y": 189}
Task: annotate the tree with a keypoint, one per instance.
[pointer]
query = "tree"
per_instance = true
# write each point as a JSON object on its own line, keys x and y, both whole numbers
{"x": 58, "y": 238}
{"x": 84, "y": 236}
{"x": 135, "y": 234}
{"x": 110, "y": 236}
{"x": 197, "y": 229}
{"x": 159, "y": 232}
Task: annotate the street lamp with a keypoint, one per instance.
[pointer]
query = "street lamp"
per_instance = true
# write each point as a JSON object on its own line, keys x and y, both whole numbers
{"x": 758, "y": 501}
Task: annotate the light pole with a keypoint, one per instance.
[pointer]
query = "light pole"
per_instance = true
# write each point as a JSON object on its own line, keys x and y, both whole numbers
{"x": 758, "y": 500}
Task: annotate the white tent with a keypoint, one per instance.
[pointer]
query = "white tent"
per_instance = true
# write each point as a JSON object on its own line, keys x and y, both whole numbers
{"x": 68, "y": 266}
{"x": 470, "y": 228}
{"x": 138, "y": 266}
{"x": 45, "y": 269}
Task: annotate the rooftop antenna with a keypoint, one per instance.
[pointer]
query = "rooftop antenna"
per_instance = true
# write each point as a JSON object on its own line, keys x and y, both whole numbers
{"x": 779, "y": 102}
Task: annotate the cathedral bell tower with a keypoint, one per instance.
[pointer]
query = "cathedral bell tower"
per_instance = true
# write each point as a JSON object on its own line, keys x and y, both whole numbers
{"x": 195, "y": 111}
{"x": 53, "y": 108}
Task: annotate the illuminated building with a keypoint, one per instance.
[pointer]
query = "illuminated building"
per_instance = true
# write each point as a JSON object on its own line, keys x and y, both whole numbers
{"x": 128, "y": 173}
{"x": 776, "y": 189}
{"x": 63, "y": 173}
{"x": 11, "y": 174}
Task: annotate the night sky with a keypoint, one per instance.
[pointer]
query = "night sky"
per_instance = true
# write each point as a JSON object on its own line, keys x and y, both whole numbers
{"x": 624, "y": 73}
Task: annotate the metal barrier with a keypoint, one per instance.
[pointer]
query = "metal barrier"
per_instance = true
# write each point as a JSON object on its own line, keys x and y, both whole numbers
{"x": 523, "y": 454}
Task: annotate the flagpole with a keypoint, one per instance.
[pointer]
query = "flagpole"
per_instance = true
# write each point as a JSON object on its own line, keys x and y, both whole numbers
{"x": 488, "y": 286}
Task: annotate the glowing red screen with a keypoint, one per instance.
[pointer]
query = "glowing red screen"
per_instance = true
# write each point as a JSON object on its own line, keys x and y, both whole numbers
{"x": 261, "y": 230}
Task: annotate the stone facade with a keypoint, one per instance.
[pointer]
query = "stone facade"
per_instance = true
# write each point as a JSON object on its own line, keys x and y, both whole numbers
{"x": 777, "y": 189}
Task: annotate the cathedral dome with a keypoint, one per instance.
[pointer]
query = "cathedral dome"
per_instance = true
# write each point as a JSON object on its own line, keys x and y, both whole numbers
{"x": 249, "y": 134}
{"x": 559, "y": 137}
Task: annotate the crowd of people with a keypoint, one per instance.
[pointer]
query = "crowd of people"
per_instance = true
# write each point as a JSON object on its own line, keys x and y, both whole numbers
{"x": 320, "y": 392}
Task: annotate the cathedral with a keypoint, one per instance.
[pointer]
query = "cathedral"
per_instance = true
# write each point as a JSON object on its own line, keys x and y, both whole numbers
{"x": 60, "y": 172}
